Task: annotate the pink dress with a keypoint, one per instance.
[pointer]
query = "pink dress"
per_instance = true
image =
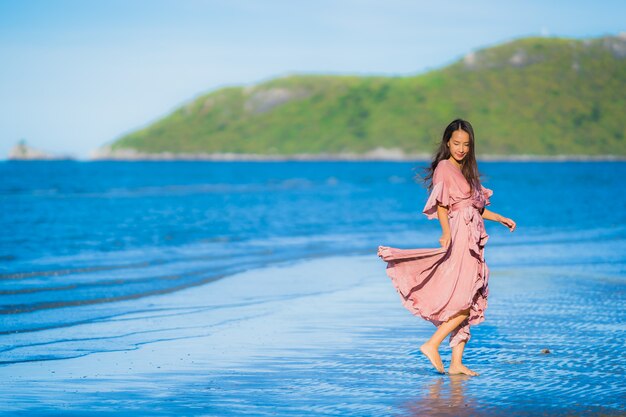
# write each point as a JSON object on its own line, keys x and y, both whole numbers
{"x": 437, "y": 283}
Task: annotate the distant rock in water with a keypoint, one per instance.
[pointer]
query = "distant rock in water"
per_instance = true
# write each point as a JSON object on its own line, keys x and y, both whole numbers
{"x": 23, "y": 152}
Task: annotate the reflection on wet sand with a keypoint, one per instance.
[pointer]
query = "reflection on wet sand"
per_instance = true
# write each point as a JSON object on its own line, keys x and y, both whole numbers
{"x": 443, "y": 397}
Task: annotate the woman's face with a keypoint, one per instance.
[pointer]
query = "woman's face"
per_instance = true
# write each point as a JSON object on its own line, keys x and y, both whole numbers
{"x": 459, "y": 144}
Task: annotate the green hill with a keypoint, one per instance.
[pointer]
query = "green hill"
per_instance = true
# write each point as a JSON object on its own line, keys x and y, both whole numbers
{"x": 542, "y": 96}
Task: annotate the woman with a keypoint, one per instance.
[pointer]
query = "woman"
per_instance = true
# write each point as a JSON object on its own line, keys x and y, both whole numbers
{"x": 448, "y": 286}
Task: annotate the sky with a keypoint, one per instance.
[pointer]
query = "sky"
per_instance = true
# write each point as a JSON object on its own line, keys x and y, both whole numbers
{"x": 76, "y": 75}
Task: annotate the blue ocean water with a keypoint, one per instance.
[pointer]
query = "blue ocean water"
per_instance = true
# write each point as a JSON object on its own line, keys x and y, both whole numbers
{"x": 81, "y": 233}
{"x": 80, "y": 237}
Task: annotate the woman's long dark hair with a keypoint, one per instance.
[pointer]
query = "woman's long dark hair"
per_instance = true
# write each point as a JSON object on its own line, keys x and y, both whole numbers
{"x": 469, "y": 167}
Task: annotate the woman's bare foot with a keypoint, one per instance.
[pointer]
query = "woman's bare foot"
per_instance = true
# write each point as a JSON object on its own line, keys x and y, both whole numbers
{"x": 456, "y": 369}
{"x": 433, "y": 355}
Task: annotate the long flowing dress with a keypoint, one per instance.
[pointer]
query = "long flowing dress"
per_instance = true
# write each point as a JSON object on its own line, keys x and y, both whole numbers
{"x": 437, "y": 283}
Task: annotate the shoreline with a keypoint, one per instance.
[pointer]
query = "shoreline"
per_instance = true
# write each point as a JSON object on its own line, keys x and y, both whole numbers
{"x": 380, "y": 154}
{"x": 232, "y": 157}
{"x": 377, "y": 154}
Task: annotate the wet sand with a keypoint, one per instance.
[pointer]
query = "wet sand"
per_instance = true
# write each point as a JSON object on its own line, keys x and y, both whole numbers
{"x": 330, "y": 337}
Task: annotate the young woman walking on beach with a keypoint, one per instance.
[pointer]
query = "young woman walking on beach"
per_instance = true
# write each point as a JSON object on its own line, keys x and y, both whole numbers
{"x": 448, "y": 286}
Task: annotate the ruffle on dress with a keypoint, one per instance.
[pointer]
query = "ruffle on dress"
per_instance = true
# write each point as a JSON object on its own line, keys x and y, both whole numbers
{"x": 439, "y": 195}
{"x": 477, "y": 234}
{"x": 487, "y": 193}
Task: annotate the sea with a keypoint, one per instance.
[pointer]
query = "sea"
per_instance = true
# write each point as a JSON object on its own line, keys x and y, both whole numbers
{"x": 77, "y": 238}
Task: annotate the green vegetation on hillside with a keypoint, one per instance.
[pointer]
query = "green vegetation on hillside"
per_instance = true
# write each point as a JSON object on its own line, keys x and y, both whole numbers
{"x": 541, "y": 96}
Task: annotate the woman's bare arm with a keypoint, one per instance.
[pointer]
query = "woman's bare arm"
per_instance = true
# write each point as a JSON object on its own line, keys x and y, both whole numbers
{"x": 491, "y": 215}
{"x": 442, "y": 213}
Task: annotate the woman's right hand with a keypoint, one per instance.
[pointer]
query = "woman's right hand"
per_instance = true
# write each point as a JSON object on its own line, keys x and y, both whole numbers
{"x": 444, "y": 240}
{"x": 510, "y": 223}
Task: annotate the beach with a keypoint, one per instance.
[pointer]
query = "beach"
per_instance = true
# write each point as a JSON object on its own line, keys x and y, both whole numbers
{"x": 328, "y": 337}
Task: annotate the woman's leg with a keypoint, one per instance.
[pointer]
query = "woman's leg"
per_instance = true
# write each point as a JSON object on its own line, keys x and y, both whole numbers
{"x": 431, "y": 347}
{"x": 456, "y": 364}
{"x": 458, "y": 339}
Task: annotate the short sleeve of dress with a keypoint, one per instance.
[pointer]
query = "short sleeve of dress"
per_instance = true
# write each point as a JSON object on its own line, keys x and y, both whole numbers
{"x": 439, "y": 195}
{"x": 487, "y": 193}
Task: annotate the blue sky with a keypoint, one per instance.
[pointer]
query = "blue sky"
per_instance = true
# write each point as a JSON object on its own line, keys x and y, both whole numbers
{"x": 75, "y": 75}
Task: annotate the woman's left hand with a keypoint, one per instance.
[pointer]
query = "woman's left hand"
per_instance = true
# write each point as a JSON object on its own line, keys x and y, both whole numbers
{"x": 508, "y": 223}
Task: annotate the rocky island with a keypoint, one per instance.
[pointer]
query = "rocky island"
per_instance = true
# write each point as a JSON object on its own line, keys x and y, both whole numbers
{"x": 23, "y": 152}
